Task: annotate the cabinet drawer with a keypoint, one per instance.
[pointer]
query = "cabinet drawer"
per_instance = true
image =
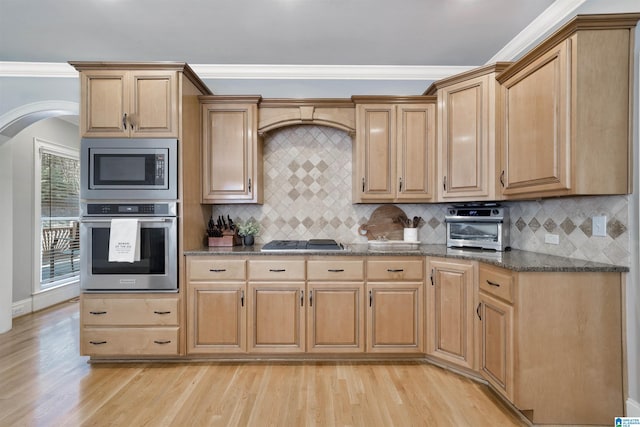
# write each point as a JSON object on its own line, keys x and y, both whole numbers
{"x": 335, "y": 269}
{"x": 129, "y": 341}
{"x": 130, "y": 311}
{"x": 395, "y": 269}
{"x": 215, "y": 269}
{"x": 496, "y": 281}
{"x": 274, "y": 270}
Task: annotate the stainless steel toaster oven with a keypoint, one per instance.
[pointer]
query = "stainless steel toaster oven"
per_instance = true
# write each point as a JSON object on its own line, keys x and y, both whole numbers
{"x": 483, "y": 226}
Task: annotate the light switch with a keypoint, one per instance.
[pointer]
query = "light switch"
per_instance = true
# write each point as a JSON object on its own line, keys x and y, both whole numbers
{"x": 599, "y": 226}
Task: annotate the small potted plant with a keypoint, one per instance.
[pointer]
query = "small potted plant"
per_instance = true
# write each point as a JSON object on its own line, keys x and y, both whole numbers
{"x": 247, "y": 230}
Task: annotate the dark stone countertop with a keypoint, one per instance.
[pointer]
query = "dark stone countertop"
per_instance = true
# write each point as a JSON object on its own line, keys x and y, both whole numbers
{"x": 515, "y": 260}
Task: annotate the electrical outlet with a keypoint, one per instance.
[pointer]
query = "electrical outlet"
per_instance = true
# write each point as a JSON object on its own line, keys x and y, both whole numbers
{"x": 599, "y": 226}
{"x": 552, "y": 239}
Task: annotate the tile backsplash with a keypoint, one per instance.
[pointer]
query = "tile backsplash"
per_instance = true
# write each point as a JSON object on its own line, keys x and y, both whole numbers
{"x": 307, "y": 194}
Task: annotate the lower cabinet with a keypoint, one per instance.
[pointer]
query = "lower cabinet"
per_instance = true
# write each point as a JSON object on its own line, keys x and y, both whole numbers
{"x": 495, "y": 313}
{"x": 395, "y": 307}
{"x": 451, "y": 295}
{"x": 550, "y": 343}
{"x": 129, "y": 325}
{"x": 335, "y": 317}
{"x": 217, "y": 321}
{"x": 276, "y": 317}
{"x": 395, "y": 318}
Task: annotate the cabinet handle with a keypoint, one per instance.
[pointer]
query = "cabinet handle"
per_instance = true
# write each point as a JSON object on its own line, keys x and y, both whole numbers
{"x": 162, "y": 342}
{"x": 162, "y": 312}
{"x": 124, "y": 121}
{"x": 97, "y": 313}
{"x": 301, "y": 298}
{"x": 217, "y": 270}
{"x": 370, "y": 298}
{"x": 249, "y": 185}
{"x": 502, "y": 179}
{"x": 97, "y": 342}
{"x": 395, "y": 270}
{"x": 444, "y": 183}
{"x": 310, "y": 298}
{"x": 490, "y": 283}
{"x": 478, "y": 311}
{"x": 335, "y": 270}
{"x": 363, "y": 184}
{"x": 432, "y": 279}
{"x": 241, "y": 298}
{"x": 277, "y": 270}
{"x": 401, "y": 184}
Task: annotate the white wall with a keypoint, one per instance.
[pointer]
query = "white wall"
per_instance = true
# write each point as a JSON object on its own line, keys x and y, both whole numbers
{"x": 6, "y": 239}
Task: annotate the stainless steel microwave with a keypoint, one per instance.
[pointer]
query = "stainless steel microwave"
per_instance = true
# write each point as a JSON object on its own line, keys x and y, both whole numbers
{"x": 129, "y": 169}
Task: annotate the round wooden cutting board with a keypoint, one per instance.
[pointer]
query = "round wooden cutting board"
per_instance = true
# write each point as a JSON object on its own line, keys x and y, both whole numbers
{"x": 383, "y": 224}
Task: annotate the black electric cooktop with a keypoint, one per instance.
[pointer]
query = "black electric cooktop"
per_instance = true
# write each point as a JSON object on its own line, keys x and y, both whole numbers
{"x": 302, "y": 245}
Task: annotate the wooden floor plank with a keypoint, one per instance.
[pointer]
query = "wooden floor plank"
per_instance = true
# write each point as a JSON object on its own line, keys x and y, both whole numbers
{"x": 44, "y": 382}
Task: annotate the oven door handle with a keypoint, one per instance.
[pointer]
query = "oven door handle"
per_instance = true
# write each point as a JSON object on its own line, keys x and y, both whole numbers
{"x": 139, "y": 220}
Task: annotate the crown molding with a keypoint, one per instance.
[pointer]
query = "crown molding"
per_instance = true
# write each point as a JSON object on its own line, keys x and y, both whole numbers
{"x": 37, "y": 69}
{"x": 559, "y": 11}
{"x": 326, "y": 72}
{"x": 261, "y": 72}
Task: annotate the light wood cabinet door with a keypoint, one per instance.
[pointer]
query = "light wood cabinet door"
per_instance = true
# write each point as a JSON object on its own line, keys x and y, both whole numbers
{"x": 567, "y": 104}
{"x": 415, "y": 141}
{"x": 451, "y": 295}
{"x": 536, "y": 141}
{"x": 467, "y": 140}
{"x": 231, "y": 155}
{"x": 496, "y": 343}
{"x": 129, "y": 104}
{"x": 375, "y": 154}
{"x": 394, "y": 153}
{"x": 216, "y": 321}
{"x": 276, "y": 317}
{"x": 395, "y": 317}
{"x": 335, "y": 317}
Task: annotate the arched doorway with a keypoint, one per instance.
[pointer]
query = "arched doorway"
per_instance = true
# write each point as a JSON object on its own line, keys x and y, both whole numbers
{"x": 11, "y": 124}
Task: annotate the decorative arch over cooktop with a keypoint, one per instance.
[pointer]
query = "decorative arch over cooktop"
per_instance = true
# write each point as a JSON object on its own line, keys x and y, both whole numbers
{"x": 278, "y": 113}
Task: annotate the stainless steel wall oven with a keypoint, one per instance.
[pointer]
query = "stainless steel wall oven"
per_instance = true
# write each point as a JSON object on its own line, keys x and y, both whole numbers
{"x": 157, "y": 269}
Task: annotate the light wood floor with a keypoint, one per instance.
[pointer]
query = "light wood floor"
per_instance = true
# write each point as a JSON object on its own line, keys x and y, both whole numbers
{"x": 44, "y": 382}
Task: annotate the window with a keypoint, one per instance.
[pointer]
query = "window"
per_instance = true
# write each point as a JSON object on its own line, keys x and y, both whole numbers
{"x": 57, "y": 213}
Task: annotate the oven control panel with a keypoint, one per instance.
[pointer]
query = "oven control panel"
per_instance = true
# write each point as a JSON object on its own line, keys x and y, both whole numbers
{"x": 129, "y": 209}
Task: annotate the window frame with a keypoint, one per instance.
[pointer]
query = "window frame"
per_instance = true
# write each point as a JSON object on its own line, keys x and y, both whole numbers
{"x": 39, "y": 146}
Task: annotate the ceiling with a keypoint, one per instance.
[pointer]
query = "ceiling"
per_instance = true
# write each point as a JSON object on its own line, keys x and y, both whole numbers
{"x": 296, "y": 32}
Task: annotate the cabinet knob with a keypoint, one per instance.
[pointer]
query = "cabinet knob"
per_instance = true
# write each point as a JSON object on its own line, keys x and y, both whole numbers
{"x": 124, "y": 121}
{"x": 502, "y": 179}
{"x": 97, "y": 342}
{"x": 444, "y": 183}
{"x": 478, "y": 310}
{"x": 162, "y": 342}
{"x": 249, "y": 185}
{"x": 400, "y": 184}
{"x": 490, "y": 283}
{"x": 97, "y": 313}
{"x": 161, "y": 312}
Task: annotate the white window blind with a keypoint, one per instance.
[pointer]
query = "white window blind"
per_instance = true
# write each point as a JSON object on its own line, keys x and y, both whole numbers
{"x": 59, "y": 215}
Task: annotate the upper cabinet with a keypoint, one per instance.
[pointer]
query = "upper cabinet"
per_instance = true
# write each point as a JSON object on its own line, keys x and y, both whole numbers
{"x": 394, "y": 148}
{"x": 129, "y": 103}
{"x": 231, "y": 150}
{"x": 468, "y": 148}
{"x": 567, "y": 104}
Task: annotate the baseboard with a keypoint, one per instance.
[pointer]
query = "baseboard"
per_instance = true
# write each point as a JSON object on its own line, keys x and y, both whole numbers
{"x": 20, "y": 308}
{"x": 633, "y": 408}
{"x": 45, "y": 299}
